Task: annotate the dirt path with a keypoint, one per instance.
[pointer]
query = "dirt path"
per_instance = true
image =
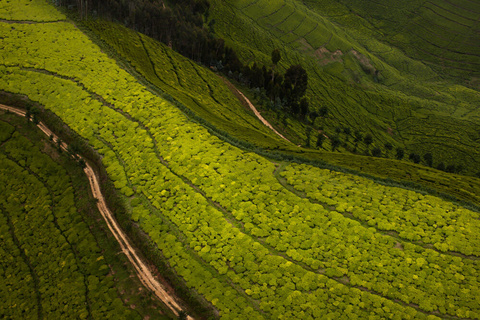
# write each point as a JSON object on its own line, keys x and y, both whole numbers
{"x": 143, "y": 272}
{"x": 244, "y": 100}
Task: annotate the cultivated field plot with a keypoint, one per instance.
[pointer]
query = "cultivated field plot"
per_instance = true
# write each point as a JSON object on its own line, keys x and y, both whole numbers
{"x": 443, "y": 33}
{"x": 235, "y": 233}
{"x": 411, "y": 215}
{"x": 197, "y": 88}
{"x": 51, "y": 265}
{"x": 367, "y": 83}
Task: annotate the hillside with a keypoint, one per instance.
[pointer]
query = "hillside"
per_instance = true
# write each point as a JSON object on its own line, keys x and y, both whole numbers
{"x": 373, "y": 72}
{"x": 56, "y": 258}
{"x": 251, "y": 237}
{"x": 236, "y": 126}
{"x": 201, "y": 93}
{"x": 443, "y": 34}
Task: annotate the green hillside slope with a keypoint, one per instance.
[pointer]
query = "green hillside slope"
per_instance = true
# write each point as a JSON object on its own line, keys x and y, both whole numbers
{"x": 368, "y": 84}
{"x": 56, "y": 258}
{"x": 442, "y": 34}
{"x": 256, "y": 239}
{"x": 237, "y": 124}
{"x": 198, "y": 89}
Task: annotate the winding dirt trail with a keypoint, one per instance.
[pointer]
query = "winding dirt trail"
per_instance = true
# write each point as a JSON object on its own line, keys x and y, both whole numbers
{"x": 143, "y": 272}
{"x": 247, "y": 102}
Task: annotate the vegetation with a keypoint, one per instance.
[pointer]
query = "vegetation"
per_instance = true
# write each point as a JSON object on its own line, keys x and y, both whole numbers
{"x": 196, "y": 88}
{"x": 366, "y": 66}
{"x": 364, "y": 81}
{"x": 440, "y": 34}
{"x": 415, "y": 217}
{"x": 236, "y": 127}
{"x": 232, "y": 230}
{"x": 54, "y": 262}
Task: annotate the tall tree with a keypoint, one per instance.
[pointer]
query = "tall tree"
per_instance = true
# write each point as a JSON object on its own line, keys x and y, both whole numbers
{"x": 368, "y": 139}
{"x": 276, "y": 57}
{"x": 428, "y": 157}
{"x": 295, "y": 83}
{"x": 320, "y": 140}
{"x": 400, "y": 154}
{"x": 303, "y": 107}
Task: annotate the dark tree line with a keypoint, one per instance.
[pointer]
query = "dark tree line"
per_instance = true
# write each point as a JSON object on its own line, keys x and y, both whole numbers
{"x": 287, "y": 89}
{"x": 182, "y": 25}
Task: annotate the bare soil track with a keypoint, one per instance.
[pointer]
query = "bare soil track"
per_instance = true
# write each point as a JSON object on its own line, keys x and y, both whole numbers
{"x": 244, "y": 100}
{"x": 143, "y": 271}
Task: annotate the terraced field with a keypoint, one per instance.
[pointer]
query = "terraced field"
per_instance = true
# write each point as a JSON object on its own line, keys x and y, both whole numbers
{"x": 238, "y": 234}
{"x": 374, "y": 76}
{"x": 53, "y": 264}
{"x": 236, "y": 125}
{"x": 201, "y": 93}
{"x": 444, "y": 34}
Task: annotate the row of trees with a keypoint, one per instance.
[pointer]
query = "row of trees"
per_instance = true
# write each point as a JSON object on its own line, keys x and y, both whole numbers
{"x": 284, "y": 90}
{"x": 183, "y": 27}
{"x": 389, "y": 150}
{"x": 181, "y": 24}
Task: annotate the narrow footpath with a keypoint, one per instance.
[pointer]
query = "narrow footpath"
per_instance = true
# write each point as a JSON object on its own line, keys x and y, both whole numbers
{"x": 143, "y": 272}
{"x": 245, "y": 101}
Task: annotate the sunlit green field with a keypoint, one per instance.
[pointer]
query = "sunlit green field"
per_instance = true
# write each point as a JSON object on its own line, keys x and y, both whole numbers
{"x": 52, "y": 246}
{"x": 258, "y": 239}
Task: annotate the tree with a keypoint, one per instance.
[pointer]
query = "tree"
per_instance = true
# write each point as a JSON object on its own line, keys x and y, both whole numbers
{"x": 313, "y": 117}
{"x": 400, "y": 154}
{"x": 320, "y": 140}
{"x": 414, "y": 157}
{"x": 323, "y": 111}
{"x": 368, "y": 139}
{"x": 451, "y": 168}
{"x": 303, "y": 107}
{"x": 441, "y": 166}
{"x": 428, "y": 157}
{"x": 232, "y": 63}
{"x": 59, "y": 145}
{"x": 182, "y": 315}
{"x": 377, "y": 152}
{"x": 295, "y": 83}
{"x": 358, "y": 136}
{"x": 276, "y": 57}
{"x": 308, "y": 133}
{"x": 82, "y": 163}
{"x": 335, "y": 142}
{"x": 257, "y": 80}
{"x": 388, "y": 147}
